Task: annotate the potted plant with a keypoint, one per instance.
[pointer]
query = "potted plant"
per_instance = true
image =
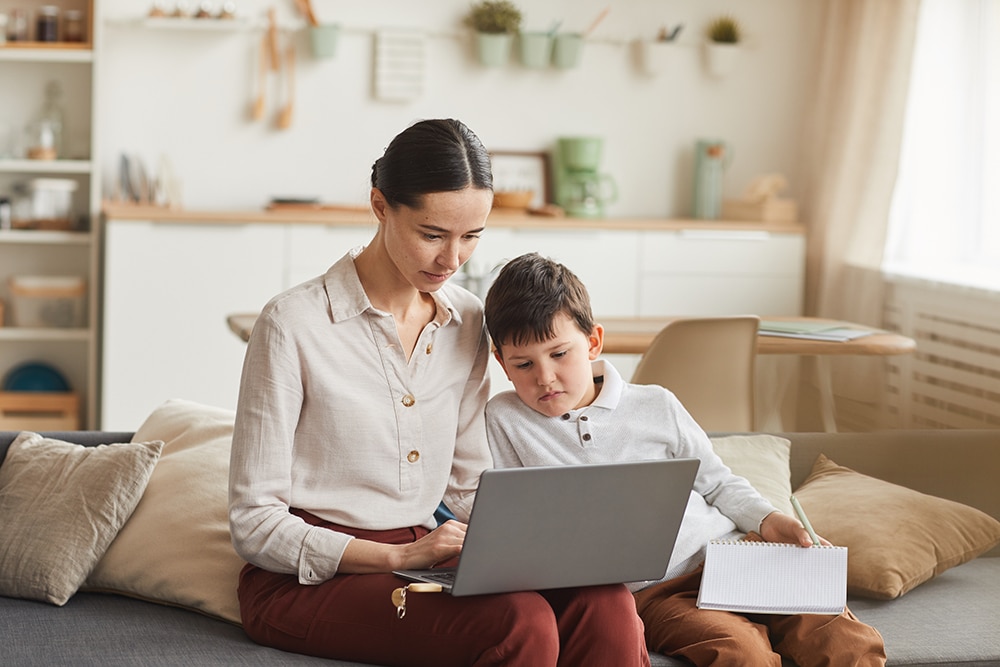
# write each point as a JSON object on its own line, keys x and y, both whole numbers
{"x": 495, "y": 22}
{"x": 722, "y": 48}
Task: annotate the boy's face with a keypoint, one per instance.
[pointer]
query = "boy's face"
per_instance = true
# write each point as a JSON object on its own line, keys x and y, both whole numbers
{"x": 554, "y": 376}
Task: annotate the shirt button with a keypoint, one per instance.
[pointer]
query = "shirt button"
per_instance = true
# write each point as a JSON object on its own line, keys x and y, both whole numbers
{"x": 583, "y": 418}
{"x": 566, "y": 416}
{"x": 586, "y": 436}
{"x": 430, "y": 346}
{"x": 413, "y": 456}
{"x": 408, "y": 400}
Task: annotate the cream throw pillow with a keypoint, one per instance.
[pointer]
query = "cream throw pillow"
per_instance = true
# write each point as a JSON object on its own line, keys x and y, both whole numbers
{"x": 176, "y": 548}
{"x": 61, "y": 504}
{"x": 896, "y": 538}
{"x": 763, "y": 461}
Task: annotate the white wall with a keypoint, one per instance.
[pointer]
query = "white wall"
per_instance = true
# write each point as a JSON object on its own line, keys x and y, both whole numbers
{"x": 187, "y": 95}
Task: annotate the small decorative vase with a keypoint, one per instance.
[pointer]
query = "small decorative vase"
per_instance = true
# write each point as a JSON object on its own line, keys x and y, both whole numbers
{"x": 493, "y": 49}
{"x": 323, "y": 40}
{"x": 567, "y": 49}
{"x": 654, "y": 56}
{"x": 536, "y": 49}
{"x": 721, "y": 59}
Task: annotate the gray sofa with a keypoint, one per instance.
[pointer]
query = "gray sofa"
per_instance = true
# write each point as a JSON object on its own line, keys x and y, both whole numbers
{"x": 953, "y": 619}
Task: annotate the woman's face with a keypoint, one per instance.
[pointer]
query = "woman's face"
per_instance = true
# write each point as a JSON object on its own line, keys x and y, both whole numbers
{"x": 430, "y": 243}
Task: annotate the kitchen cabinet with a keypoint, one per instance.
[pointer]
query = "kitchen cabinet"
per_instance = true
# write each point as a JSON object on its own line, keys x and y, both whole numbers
{"x": 172, "y": 278}
{"x": 26, "y": 69}
{"x": 167, "y": 291}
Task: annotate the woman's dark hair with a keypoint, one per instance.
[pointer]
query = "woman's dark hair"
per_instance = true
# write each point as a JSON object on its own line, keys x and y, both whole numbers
{"x": 441, "y": 155}
{"x": 522, "y": 303}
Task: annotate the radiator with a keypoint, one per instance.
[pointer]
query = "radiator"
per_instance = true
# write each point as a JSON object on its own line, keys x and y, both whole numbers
{"x": 953, "y": 378}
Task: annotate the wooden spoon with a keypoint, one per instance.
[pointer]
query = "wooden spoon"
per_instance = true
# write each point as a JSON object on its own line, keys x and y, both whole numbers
{"x": 257, "y": 111}
{"x": 285, "y": 116}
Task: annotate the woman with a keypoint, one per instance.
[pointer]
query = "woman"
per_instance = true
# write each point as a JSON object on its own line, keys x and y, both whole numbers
{"x": 360, "y": 408}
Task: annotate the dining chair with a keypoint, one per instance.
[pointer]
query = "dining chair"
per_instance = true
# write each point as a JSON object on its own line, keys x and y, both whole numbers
{"x": 708, "y": 363}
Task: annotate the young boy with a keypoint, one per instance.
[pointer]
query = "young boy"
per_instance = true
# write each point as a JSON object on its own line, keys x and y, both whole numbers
{"x": 569, "y": 407}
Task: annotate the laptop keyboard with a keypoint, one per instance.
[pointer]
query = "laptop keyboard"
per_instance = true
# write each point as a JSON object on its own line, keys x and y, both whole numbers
{"x": 447, "y": 577}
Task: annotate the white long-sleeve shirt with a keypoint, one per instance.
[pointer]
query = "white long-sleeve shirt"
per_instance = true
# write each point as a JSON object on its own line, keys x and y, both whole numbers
{"x": 630, "y": 422}
{"x": 332, "y": 419}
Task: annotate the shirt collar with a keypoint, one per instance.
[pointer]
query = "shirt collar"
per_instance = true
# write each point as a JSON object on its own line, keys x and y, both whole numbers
{"x": 348, "y": 298}
{"x": 611, "y": 389}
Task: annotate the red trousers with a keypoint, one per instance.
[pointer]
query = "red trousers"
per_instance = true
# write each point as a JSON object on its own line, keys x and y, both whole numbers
{"x": 352, "y": 617}
{"x": 675, "y": 626}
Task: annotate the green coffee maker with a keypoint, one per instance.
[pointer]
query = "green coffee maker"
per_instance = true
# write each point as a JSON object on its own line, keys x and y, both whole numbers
{"x": 580, "y": 188}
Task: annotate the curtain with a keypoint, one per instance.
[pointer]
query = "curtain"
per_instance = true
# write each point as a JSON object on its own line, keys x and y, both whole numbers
{"x": 944, "y": 219}
{"x": 850, "y": 151}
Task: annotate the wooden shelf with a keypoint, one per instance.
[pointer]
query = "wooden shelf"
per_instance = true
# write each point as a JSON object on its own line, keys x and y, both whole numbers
{"x": 47, "y": 52}
{"x": 355, "y": 216}
{"x": 42, "y": 236}
{"x": 46, "y": 166}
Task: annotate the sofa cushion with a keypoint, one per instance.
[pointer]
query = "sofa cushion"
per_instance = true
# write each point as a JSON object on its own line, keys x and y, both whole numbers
{"x": 176, "y": 548}
{"x": 897, "y": 538}
{"x": 61, "y": 505}
{"x": 763, "y": 461}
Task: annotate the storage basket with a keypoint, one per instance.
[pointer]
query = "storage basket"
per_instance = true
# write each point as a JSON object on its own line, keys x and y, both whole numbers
{"x": 47, "y": 301}
{"x": 39, "y": 411}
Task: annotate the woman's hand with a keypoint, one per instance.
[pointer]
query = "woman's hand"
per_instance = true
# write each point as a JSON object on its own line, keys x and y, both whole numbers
{"x": 441, "y": 544}
{"x": 779, "y": 527}
{"x": 367, "y": 557}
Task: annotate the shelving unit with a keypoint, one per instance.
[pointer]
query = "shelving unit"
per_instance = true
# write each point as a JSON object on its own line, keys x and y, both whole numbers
{"x": 25, "y": 69}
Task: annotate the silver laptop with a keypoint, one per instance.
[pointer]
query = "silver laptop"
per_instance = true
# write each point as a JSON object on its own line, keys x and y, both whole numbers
{"x": 565, "y": 526}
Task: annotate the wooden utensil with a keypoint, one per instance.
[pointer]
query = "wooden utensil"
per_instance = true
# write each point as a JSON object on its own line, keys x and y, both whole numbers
{"x": 596, "y": 22}
{"x": 257, "y": 111}
{"x": 285, "y": 115}
{"x": 305, "y": 6}
{"x": 272, "y": 40}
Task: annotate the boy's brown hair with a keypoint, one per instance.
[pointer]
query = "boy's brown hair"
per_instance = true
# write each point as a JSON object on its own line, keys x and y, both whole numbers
{"x": 529, "y": 292}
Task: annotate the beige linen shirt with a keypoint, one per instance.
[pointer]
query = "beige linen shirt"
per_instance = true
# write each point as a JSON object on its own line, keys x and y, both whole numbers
{"x": 332, "y": 419}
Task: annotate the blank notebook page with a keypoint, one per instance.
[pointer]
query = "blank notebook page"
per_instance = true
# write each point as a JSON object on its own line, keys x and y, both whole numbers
{"x": 770, "y": 578}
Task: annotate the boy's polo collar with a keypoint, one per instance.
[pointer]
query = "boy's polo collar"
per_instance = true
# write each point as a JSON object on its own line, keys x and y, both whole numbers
{"x": 611, "y": 389}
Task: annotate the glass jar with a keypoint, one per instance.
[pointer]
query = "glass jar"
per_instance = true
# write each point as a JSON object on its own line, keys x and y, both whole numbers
{"x": 47, "y": 26}
{"x": 45, "y": 134}
{"x": 17, "y": 26}
{"x": 73, "y": 26}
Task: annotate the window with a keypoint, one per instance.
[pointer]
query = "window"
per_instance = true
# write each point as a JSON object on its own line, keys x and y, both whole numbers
{"x": 945, "y": 217}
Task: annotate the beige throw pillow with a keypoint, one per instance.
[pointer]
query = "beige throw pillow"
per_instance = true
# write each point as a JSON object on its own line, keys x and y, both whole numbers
{"x": 176, "y": 548}
{"x": 896, "y": 538}
{"x": 763, "y": 461}
{"x": 61, "y": 504}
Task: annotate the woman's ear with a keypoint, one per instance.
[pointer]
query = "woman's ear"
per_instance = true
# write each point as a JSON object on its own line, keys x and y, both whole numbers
{"x": 596, "y": 341}
{"x": 379, "y": 204}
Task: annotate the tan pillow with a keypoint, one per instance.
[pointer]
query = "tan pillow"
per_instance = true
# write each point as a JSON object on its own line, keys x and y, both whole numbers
{"x": 897, "y": 538}
{"x": 176, "y": 547}
{"x": 763, "y": 461}
{"x": 61, "y": 504}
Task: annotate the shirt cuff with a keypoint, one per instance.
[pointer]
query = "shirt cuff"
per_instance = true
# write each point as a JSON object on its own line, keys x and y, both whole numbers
{"x": 319, "y": 558}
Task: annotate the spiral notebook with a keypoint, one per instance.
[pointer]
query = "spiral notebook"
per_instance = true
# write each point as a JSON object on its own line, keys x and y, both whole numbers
{"x": 770, "y": 578}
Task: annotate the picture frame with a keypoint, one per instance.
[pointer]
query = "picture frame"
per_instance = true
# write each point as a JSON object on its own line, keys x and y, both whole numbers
{"x": 516, "y": 170}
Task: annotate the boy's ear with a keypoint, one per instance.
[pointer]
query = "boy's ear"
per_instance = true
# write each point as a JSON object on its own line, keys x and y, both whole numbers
{"x": 596, "y": 340}
{"x": 499, "y": 358}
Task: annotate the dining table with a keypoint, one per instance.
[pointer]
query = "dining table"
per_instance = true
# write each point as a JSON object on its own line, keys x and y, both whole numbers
{"x": 633, "y": 335}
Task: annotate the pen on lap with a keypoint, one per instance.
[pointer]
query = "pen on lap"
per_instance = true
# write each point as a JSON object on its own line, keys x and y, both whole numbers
{"x": 805, "y": 520}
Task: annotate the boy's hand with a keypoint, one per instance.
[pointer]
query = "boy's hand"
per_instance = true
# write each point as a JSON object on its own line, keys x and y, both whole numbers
{"x": 779, "y": 527}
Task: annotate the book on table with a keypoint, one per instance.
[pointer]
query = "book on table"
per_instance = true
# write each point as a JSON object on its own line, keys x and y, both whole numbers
{"x": 823, "y": 330}
{"x": 771, "y": 578}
